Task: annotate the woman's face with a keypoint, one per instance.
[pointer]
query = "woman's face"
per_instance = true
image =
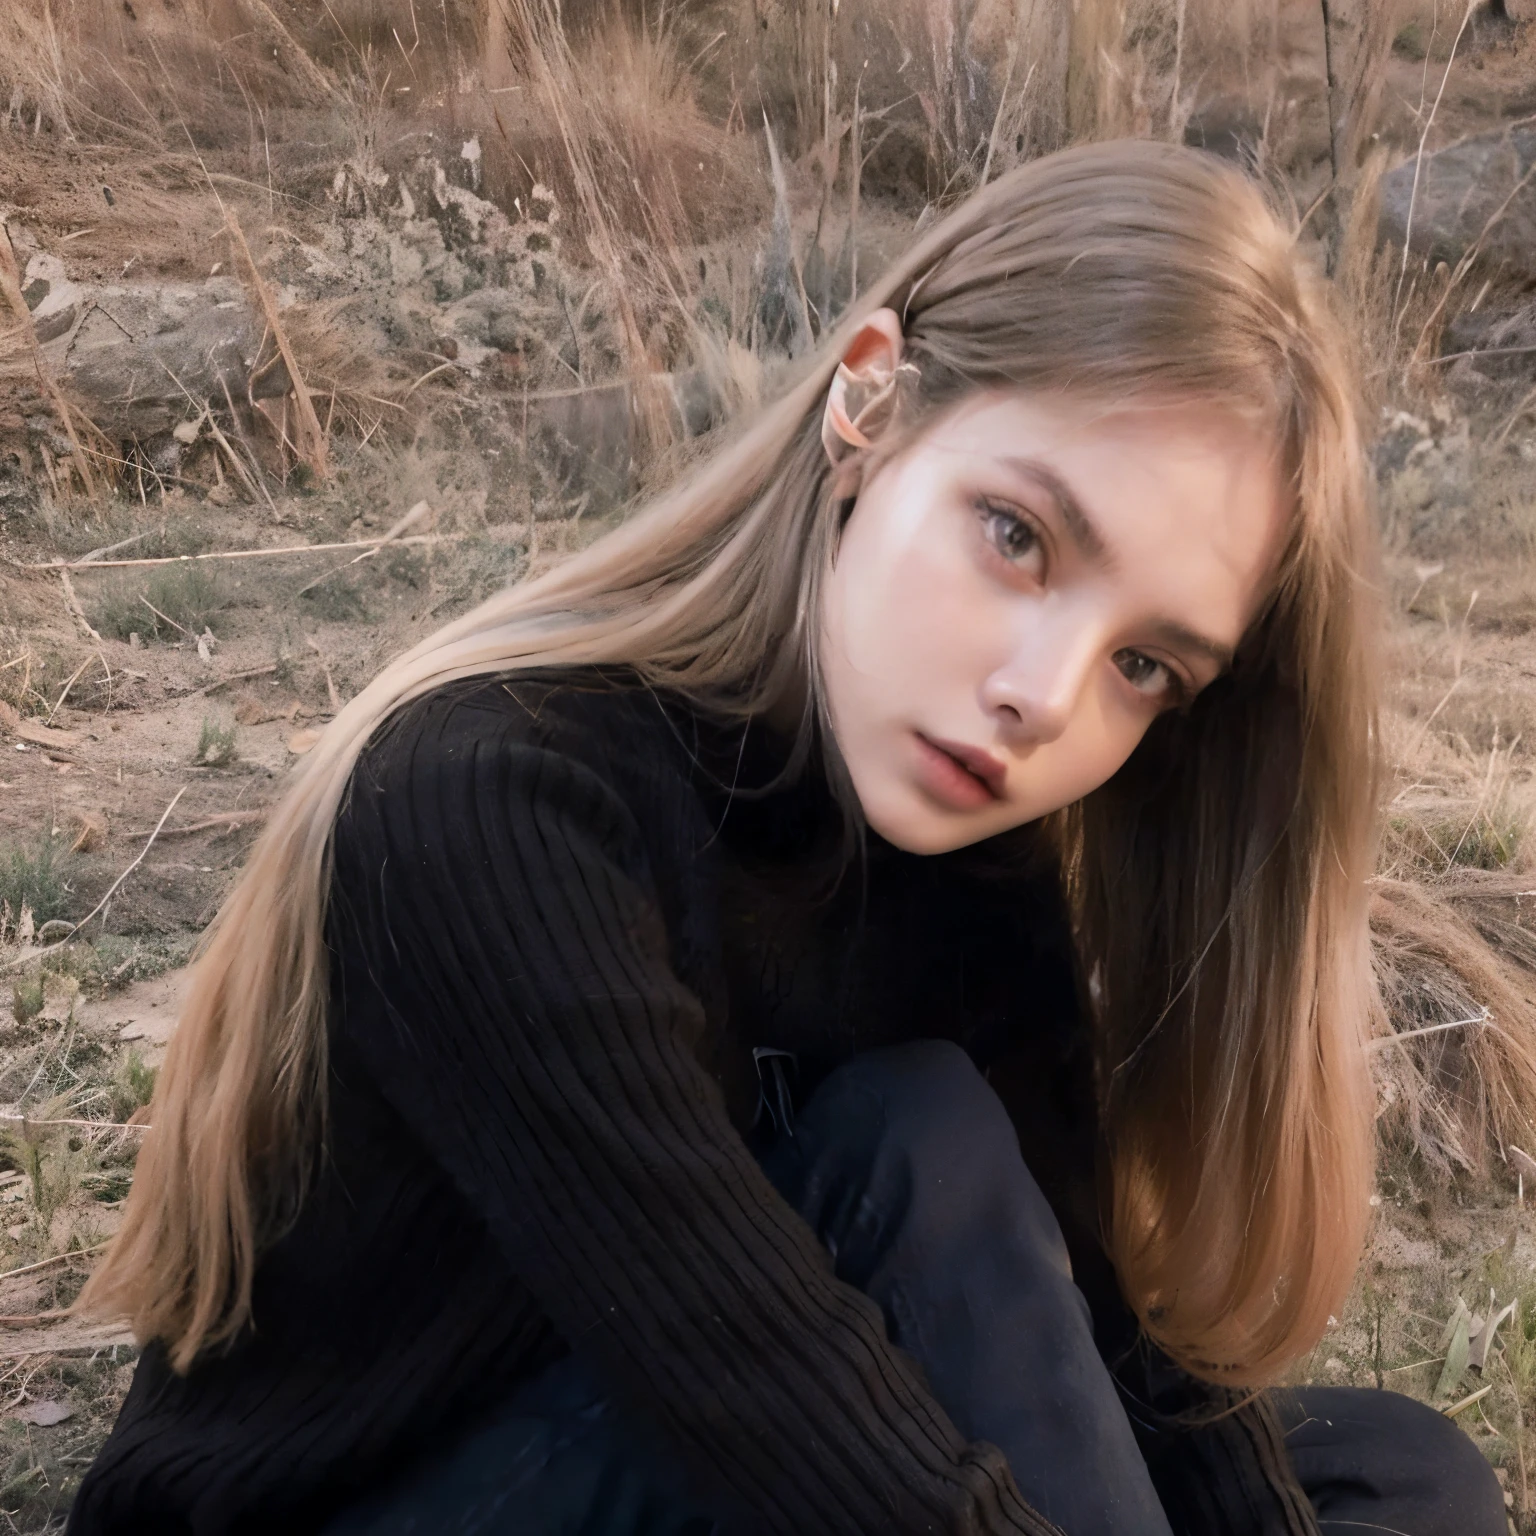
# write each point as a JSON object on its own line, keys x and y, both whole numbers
{"x": 1023, "y": 590}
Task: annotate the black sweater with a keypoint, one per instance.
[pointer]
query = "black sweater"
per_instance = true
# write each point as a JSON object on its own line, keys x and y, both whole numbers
{"x": 556, "y": 937}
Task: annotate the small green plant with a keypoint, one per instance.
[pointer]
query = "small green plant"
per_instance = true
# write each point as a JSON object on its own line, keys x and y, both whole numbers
{"x": 34, "y": 880}
{"x": 132, "y": 1087}
{"x": 1490, "y": 843}
{"x": 27, "y": 999}
{"x": 175, "y": 602}
{"x": 1409, "y": 42}
{"x": 478, "y": 567}
{"x": 285, "y": 667}
{"x": 407, "y": 566}
{"x": 216, "y": 746}
{"x": 337, "y": 600}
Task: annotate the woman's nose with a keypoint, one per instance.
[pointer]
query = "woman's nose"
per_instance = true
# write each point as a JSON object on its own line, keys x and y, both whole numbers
{"x": 1036, "y": 692}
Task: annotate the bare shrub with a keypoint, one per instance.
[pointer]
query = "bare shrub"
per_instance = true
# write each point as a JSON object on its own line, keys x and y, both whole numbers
{"x": 217, "y": 743}
{"x": 174, "y": 601}
{"x": 1464, "y": 1086}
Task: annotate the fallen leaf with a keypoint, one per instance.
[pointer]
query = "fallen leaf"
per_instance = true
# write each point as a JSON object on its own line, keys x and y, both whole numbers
{"x": 1482, "y": 1339}
{"x": 45, "y": 1411}
{"x": 1449, "y": 1331}
{"x": 302, "y": 741}
{"x": 254, "y": 711}
{"x": 1524, "y": 1163}
{"x": 1456, "y": 1353}
{"x": 92, "y": 832}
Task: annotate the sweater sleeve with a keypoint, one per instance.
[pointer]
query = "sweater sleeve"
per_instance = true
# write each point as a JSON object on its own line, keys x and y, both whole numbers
{"x": 495, "y": 899}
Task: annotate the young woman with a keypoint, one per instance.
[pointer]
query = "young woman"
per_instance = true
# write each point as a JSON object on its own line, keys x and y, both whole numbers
{"x": 839, "y": 1009}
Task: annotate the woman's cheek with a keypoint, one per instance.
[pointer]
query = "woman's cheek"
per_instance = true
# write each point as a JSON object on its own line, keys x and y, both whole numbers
{"x": 1092, "y": 752}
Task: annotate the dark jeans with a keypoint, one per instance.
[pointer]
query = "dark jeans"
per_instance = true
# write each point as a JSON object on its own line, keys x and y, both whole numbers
{"x": 906, "y": 1166}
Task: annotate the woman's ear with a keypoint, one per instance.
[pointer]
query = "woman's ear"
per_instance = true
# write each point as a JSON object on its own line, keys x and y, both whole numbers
{"x": 863, "y": 386}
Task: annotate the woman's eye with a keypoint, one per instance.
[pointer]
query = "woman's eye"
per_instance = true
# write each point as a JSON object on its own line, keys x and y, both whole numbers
{"x": 1010, "y": 535}
{"x": 1145, "y": 675}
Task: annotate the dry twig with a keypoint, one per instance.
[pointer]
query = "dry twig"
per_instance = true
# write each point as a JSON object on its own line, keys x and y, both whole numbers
{"x": 66, "y": 566}
{"x": 37, "y": 954}
{"x": 228, "y": 820}
{"x": 73, "y": 604}
{"x": 58, "y": 1258}
{"x": 1418, "y": 166}
{"x": 311, "y": 433}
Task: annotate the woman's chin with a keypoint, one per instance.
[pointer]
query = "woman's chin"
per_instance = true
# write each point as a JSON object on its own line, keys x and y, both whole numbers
{"x": 907, "y": 822}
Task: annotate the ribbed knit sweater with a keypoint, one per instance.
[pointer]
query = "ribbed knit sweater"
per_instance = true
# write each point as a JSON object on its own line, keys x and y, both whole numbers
{"x": 559, "y": 926}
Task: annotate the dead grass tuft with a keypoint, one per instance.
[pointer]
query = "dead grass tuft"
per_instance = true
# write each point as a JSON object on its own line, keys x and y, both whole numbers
{"x": 1459, "y": 1081}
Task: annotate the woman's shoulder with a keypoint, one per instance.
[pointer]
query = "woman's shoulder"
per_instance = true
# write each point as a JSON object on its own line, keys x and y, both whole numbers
{"x": 600, "y": 717}
{"x": 535, "y": 736}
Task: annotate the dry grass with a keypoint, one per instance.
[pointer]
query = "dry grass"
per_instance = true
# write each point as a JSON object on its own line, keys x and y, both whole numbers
{"x": 623, "y": 147}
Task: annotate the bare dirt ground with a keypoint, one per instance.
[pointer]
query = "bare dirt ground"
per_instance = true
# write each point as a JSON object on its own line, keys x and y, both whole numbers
{"x": 150, "y": 712}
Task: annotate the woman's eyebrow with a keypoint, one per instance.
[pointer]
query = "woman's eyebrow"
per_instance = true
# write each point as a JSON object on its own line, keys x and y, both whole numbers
{"x": 1080, "y": 527}
{"x": 1090, "y": 542}
{"x": 1181, "y": 638}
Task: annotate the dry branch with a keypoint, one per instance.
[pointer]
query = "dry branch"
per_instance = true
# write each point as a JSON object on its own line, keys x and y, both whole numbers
{"x": 233, "y": 554}
{"x": 64, "y": 692}
{"x": 73, "y": 604}
{"x": 1418, "y": 169}
{"x": 420, "y": 510}
{"x": 10, "y": 282}
{"x": 311, "y": 433}
{"x": 234, "y": 677}
{"x": 228, "y": 820}
{"x": 37, "y": 954}
{"x": 58, "y": 1258}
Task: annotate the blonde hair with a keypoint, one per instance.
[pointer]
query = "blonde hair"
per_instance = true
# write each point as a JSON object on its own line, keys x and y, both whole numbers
{"x": 1216, "y": 883}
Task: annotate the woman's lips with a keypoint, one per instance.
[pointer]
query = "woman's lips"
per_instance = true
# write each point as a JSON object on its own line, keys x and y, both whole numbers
{"x": 961, "y": 777}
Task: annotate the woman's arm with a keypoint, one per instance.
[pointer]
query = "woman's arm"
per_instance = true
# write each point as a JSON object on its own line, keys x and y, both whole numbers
{"x": 497, "y": 898}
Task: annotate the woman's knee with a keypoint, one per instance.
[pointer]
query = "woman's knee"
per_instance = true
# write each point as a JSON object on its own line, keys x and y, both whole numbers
{"x": 932, "y": 1150}
{"x": 933, "y": 1102}
{"x": 1360, "y": 1452}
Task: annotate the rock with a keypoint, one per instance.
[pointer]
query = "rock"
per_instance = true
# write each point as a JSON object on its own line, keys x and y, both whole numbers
{"x": 1504, "y": 342}
{"x": 1423, "y": 472}
{"x": 588, "y": 437}
{"x": 1228, "y": 127}
{"x": 52, "y": 298}
{"x": 488, "y": 320}
{"x": 16, "y": 491}
{"x": 44, "y": 1412}
{"x": 60, "y": 995}
{"x": 135, "y": 351}
{"x": 1461, "y": 188}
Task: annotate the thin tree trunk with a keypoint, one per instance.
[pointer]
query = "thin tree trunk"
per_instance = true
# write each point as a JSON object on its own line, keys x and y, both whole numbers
{"x": 1329, "y": 82}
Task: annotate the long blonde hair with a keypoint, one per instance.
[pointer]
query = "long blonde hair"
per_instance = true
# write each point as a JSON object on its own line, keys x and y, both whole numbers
{"x": 1216, "y": 884}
